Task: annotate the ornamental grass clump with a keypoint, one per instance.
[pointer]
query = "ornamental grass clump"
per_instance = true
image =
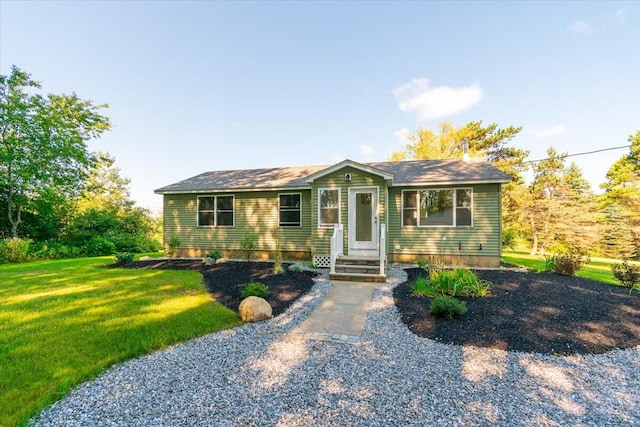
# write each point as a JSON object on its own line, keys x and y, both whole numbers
{"x": 422, "y": 287}
{"x": 459, "y": 282}
{"x": 447, "y": 307}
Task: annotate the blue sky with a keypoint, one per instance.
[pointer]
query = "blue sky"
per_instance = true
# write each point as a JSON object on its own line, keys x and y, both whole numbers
{"x": 197, "y": 86}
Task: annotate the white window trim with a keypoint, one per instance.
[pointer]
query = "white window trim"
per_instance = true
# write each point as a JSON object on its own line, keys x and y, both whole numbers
{"x": 320, "y": 190}
{"x": 300, "y": 209}
{"x": 215, "y": 211}
{"x": 455, "y": 207}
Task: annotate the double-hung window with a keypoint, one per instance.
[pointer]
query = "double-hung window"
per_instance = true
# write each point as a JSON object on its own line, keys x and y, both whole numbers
{"x": 215, "y": 211}
{"x": 328, "y": 207}
{"x": 437, "y": 208}
{"x": 290, "y": 207}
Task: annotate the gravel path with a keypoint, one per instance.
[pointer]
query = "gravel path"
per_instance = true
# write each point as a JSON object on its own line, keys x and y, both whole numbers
{"x": 258, "y": 374}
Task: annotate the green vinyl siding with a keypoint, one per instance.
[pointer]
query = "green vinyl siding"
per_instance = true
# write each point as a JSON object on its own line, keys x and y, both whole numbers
{"x": 256, "y": 212}
{"x": 431, "y": 240}
{"x": 321, "y": 237}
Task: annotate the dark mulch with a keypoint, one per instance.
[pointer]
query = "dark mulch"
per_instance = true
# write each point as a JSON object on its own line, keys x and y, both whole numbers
{"x": 532, "y": 312}
{"x": 225, "y": 280}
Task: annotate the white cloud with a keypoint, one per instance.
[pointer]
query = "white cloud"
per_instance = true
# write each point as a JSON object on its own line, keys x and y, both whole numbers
{"x": 547, "y": 132}
{"x": 366, "y": 149}
{"x": 430, "y": 102}
{"x": 579, "y": 28}
{"x": 402, "y": 134}
{"x": 620, "y": 17}
{"x": 604, "y": 22}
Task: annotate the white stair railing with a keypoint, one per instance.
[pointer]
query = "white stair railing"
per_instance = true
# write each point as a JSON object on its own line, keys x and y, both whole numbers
{"x": 383, "y": 247}
{"x": 337, "y": 246}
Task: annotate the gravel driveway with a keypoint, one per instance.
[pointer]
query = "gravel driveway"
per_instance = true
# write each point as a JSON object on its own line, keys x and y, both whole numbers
{"x": 259, "y": 375}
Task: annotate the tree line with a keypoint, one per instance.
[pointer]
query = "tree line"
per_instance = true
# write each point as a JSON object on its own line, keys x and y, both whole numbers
{"x": 58, "y": 199}
{"x": 557, "y": 211}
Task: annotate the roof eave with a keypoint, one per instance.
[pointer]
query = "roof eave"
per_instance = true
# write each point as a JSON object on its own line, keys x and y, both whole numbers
{"x": 457, "y": 182}
{"x": 232, "y": 190}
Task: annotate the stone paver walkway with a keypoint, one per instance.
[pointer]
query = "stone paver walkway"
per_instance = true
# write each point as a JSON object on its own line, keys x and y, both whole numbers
{"x": 341, "y": 315}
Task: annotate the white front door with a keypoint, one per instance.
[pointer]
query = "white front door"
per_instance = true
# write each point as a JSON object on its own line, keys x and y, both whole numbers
{"x": 363, "y": 221}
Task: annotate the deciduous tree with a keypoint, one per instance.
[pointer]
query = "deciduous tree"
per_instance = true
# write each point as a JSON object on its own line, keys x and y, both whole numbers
{"x": 43, "y": 141}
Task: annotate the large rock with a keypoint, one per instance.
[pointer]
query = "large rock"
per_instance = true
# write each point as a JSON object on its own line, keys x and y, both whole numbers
{"x": 254, "y": 309}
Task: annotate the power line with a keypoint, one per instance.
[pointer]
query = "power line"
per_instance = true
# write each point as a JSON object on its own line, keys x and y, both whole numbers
{"x": 581, "y": 154}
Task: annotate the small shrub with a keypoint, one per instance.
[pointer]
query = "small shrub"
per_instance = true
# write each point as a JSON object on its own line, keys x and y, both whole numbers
{"x": 215, "y": 254}
{"x": 212, "y": 257}
{"x": 567, "y": 264}
{"x": 124, "y": 257}
{"x": 248, "y": 244}
{"x": 173, "y": 245}
{"x": 447, "y": 307}
{"x": 255, "y": 289}
{"x": 14, "y": 249}
{"x": 627, "y": 274}
{"x": 295, "y": 267}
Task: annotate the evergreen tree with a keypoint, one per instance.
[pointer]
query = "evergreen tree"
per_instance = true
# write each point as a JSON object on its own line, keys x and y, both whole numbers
{"x": 617, "y": 237}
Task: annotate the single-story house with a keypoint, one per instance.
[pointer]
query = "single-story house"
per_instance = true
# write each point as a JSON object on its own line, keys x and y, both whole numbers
{"x": 441, "y": 210}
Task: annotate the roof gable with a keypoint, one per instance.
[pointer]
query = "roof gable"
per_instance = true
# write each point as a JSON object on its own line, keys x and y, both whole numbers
{"x": 350, "y": 163}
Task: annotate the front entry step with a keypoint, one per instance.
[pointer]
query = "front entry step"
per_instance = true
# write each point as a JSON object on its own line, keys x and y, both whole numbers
{"x": 358, "y": 269}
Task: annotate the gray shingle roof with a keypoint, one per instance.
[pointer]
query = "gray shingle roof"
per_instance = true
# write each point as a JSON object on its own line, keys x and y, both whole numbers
{"x": 414, "y": 172}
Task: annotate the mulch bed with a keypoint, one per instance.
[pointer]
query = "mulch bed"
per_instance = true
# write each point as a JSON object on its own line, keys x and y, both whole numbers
{"x": 225, "y": 280}
{"x": 532, "y": 312}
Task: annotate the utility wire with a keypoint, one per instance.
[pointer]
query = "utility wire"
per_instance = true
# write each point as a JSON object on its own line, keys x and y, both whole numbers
{"x": 580, "y": 154}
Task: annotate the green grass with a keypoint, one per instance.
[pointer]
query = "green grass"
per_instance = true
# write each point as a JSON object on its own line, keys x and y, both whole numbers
{"x": 598, "y": 269}
{"x": 64, "y": 322}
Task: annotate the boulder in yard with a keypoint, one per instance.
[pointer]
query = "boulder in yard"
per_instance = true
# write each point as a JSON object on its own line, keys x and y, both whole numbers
{"x": 254, "y": 309}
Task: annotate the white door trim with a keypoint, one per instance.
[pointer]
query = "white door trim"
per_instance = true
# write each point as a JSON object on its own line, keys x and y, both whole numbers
{"x": 370, "y": 247}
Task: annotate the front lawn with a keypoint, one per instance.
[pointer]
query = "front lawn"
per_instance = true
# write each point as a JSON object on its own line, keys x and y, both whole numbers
{"x": 598, "y": 269}
{"x": 64, "y": 322}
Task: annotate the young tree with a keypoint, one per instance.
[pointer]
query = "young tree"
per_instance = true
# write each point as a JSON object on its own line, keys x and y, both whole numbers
{"x": 42, "y": 142}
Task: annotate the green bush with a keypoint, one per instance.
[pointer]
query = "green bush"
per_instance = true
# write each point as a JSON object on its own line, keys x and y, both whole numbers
{"x": 212, "y": 257}
{"x": 52, "y": 249}
{"x": 124, "y": 257}
{"x": 627, "y": 274}
{"x": 14, "y": 249}
{"x": 447, "y": 307}
{"x": 255, "y": 289}
{"x": 215, "y": 254}
{"x": 568, "y": 263}
{"x": 99, "y": 246}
